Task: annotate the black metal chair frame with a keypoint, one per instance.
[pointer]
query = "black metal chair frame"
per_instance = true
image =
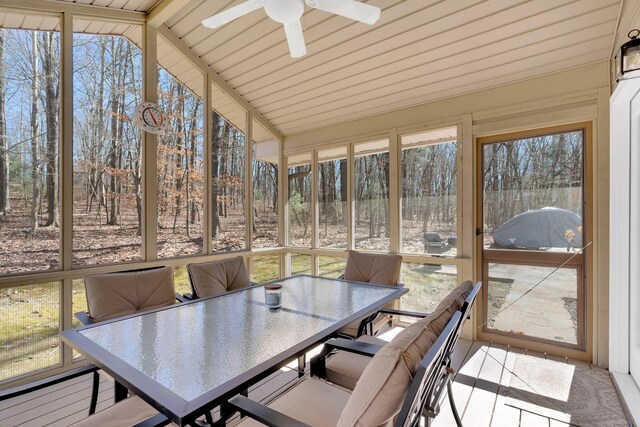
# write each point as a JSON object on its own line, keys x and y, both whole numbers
{"x": 424, "y": 390}
{"x": 155, "y": 421}
{"x": 318, "y": 362}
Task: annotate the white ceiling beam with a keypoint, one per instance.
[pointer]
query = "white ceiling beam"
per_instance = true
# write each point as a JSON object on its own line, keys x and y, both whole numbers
{"x": 163, "y": 10}
{"x": 95, "y": 12}
{"x": 219, "y": 81}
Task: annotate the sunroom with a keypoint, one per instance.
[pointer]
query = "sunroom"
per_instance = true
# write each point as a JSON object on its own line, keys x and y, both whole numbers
{"x": 304, "y": 144}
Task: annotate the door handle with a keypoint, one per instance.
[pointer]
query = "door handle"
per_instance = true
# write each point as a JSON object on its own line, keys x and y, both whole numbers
{"x": 479, "y": 232}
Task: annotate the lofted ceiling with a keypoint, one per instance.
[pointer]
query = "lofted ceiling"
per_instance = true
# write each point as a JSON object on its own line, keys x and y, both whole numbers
{"x": 419, "y": 51}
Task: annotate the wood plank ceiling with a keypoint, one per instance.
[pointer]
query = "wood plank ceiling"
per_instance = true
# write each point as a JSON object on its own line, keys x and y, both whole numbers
{"x": 419, "y": 51}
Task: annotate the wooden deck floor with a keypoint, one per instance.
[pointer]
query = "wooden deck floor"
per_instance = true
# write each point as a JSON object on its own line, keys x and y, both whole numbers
{"x": 480, "y": 392}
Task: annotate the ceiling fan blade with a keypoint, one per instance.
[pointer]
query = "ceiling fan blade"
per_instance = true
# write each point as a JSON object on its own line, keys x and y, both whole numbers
{"x": 351, "y": 9}
{"x": 295, "y": 39}
{"x": 228, "y": 15}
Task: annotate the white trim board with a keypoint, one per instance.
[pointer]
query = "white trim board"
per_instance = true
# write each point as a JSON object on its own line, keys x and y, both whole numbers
{"x": 629, "y": 393}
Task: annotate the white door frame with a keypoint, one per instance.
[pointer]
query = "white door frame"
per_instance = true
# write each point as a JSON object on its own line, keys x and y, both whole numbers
{"x": 622, "y": 243}
{"x": 620, "y": 224}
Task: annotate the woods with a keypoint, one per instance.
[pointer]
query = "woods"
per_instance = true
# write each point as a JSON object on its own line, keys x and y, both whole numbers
{"x": 532, "y": 173}
{"x": 29, "y": 149}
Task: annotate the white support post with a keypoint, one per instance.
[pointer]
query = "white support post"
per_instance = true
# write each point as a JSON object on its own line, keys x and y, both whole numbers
{"x": 150, "y": 147}
{"x": 315, "y": 213}
{"x": 350, "y": 196}
{"x": 466, "y": 213}
{"x": 66, "y": 176}
{"x": 395, "y": 219}
{"x": 282, "y": 195}
{"x": 248, "y": 179}
{"x": 207, "y": 208}
{"x": 66, "y": 138}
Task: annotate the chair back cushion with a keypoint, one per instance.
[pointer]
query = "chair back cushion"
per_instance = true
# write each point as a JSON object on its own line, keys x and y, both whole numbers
{"x": 379, "y": 393}
{"x": 217, "y": 277}
{"x": 114, "y": 295}
{"x": 450, "y": 304}
{"x": 382, "y": 269}
{"x": 383, "y": 386}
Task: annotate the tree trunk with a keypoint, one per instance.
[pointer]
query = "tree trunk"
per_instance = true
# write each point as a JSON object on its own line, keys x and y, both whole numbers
{"x": 215, "y": 178}
{"x": 35, "y": 188}
{"x": 51, "y": 116}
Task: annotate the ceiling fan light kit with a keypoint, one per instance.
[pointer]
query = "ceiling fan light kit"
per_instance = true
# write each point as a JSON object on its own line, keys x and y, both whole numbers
{"x": 289, "y": 12}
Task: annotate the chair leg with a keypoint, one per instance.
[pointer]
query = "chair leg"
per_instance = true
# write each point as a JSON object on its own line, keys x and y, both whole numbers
{"x": 302, "y": 362}
{"x": 208, "y": 417}
{"x": 120, "y": 392}
{"x": 453, "y": 404}
{"x": 94, "y": 393}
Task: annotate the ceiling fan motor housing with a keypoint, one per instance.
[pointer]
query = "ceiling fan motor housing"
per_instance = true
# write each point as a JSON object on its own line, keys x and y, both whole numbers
{"x": 284, "y": 11}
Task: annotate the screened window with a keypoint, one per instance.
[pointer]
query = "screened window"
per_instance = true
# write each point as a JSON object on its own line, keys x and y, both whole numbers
{"x": 107, "y": 148}
{"x": 265, "y": 268}
{"x": 30, "y": 326}
{"x": 180, "y": 156}
{"x": 429, "y": 196}
{"x": 29, "y": 145}
{"x": 228, "y": 205}
{"x": 266, "y": 156}
{"x": 332, "y": 198}
{"x": 371, "y": 207}
{"x": 299, "y": 203}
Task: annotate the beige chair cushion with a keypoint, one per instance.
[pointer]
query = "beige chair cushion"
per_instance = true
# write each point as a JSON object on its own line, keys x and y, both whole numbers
{"x": 451, "y": 303}
{"x": 312, "y": 401}
{"x": 381, "y": 390}
{"x": 217, "y": 277}
{"x": 345, "y": 369}
{"x": 127, "y": 412}
{"x": 352, "y": 328}
{"x": 382, "y": 269}
{"x": 120, "y": 294}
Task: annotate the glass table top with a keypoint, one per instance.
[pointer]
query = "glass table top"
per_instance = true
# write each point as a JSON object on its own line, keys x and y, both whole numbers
{"x": 193, "y": 348}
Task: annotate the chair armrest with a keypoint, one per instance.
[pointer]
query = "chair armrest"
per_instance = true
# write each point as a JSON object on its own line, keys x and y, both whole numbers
{"x": 402, "y": 313}
{"x": 84, "y": 318}
{"x": 351, "y": 346}
{"x": 263, "y": 414}
{"x": 47, "y": 382}
{"x": 388, "y": 311}
{"x": 318, "y": 363}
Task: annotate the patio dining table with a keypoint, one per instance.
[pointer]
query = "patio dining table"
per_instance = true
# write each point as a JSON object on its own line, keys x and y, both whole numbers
{"x": 191, "y": 357}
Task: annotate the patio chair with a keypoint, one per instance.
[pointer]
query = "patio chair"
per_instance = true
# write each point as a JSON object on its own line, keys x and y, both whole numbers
{"x": 217, "y": 277}
{"x": 130, "y": 412}
{"x": 381, "y": 269}
{"x": 345, "y": 368}
{"x": 114, "y": 295}
{"x": 393, "y": 391}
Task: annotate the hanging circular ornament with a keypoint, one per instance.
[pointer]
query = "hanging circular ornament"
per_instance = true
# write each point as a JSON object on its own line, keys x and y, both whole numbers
{"x": 151, "y": 118}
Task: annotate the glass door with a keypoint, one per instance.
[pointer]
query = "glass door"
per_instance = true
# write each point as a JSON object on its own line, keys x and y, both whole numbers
{"x": 531, "y": 221}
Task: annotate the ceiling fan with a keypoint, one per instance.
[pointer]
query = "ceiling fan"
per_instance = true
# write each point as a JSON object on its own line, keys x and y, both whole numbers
{"x": 289, "y": 12}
